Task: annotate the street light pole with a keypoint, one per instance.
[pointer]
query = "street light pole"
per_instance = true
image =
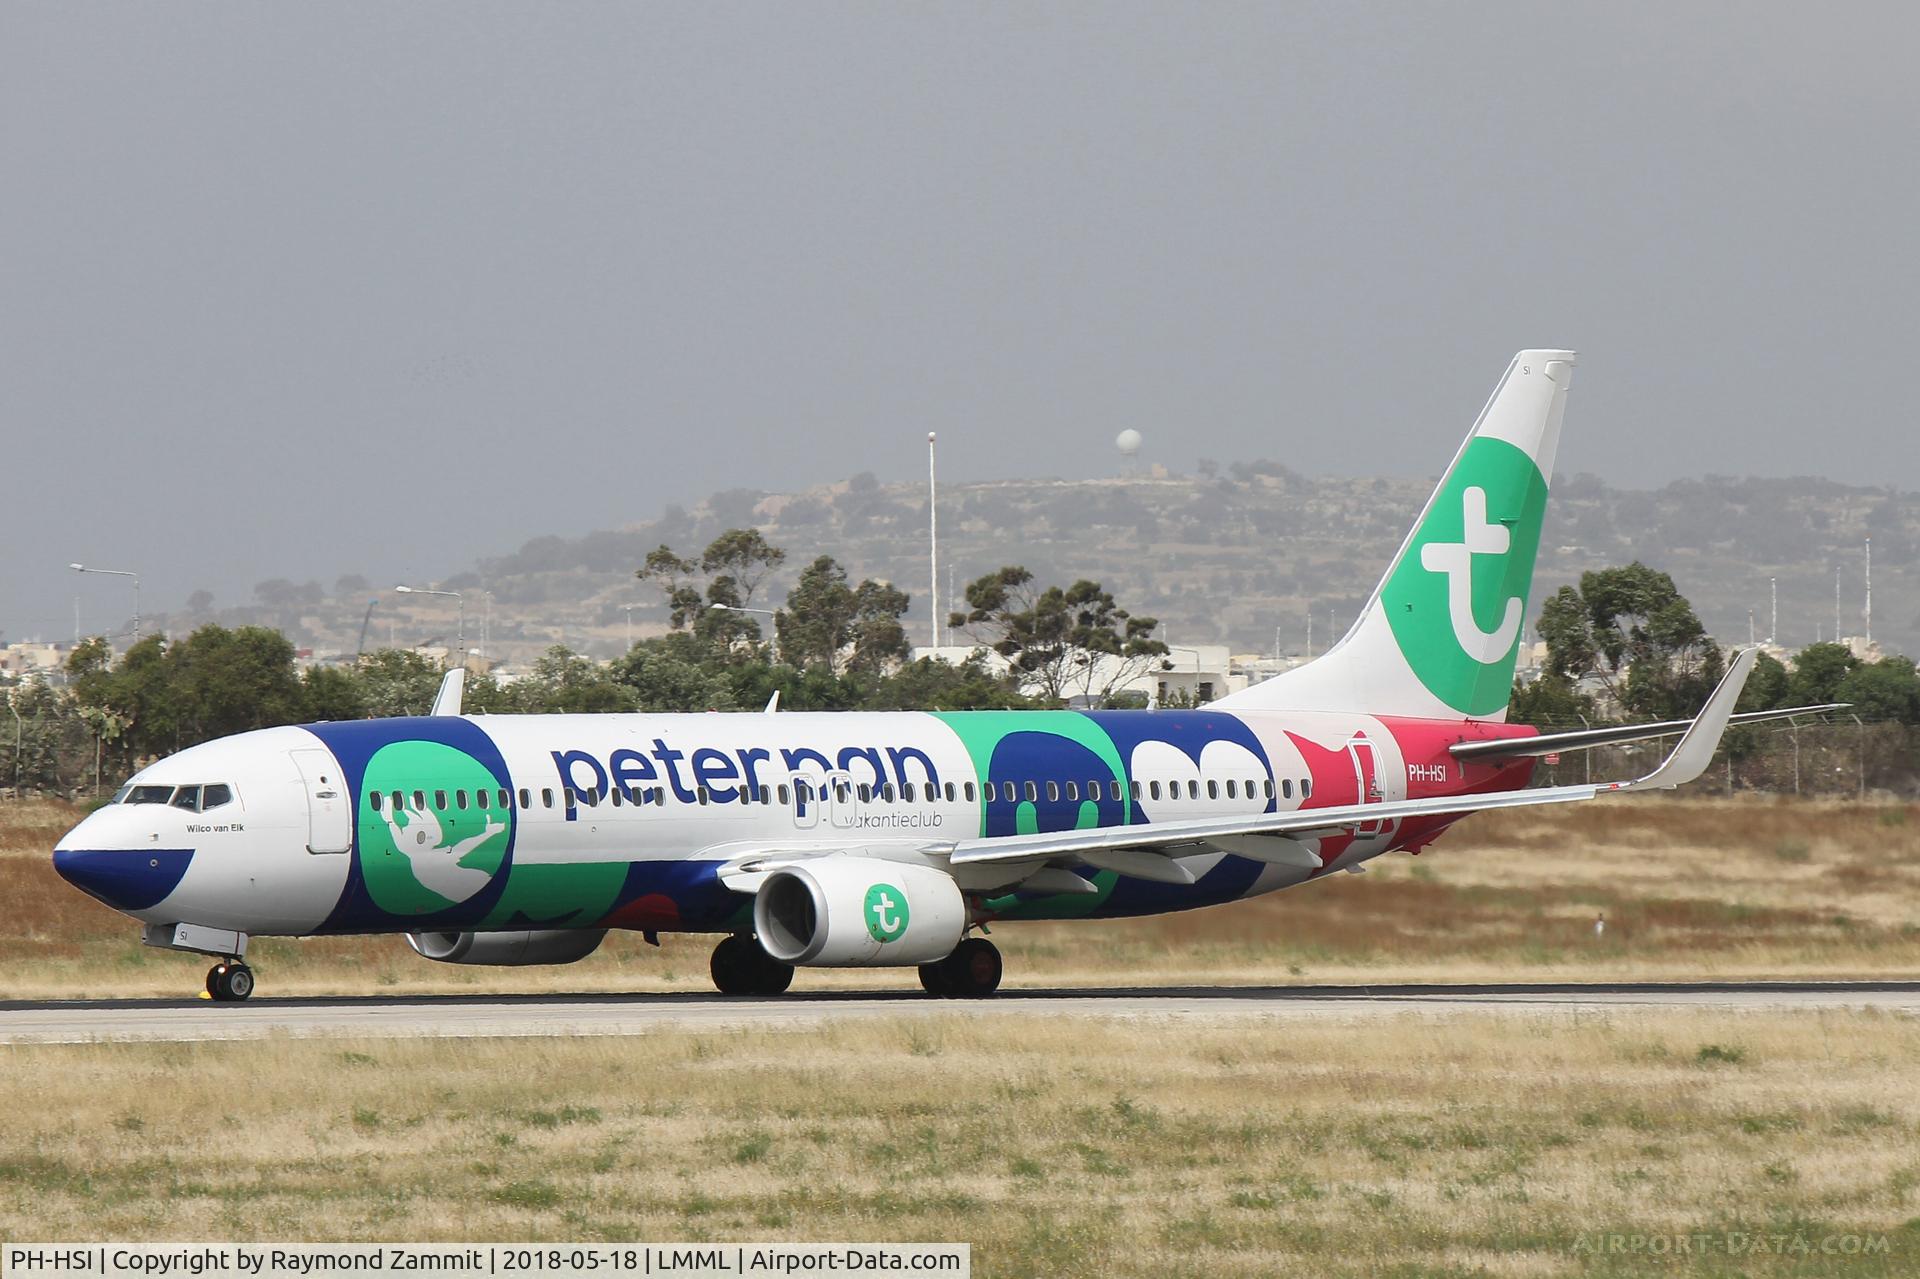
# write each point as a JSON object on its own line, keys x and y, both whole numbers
{"x": 767, "y": 612}
{"x": 933, "y": 540}
{"x": 459, "y": 599}
{"x": 113, "y": 572}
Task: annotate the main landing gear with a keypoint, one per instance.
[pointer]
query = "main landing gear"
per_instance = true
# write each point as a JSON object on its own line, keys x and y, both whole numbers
{"x": 741, "y": 967}
{"x": 229, "y": 981}
{"x": 972, "y": 971}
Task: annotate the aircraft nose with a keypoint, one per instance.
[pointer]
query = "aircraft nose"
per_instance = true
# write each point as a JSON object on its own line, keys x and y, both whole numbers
{"x": 123, "y": 878}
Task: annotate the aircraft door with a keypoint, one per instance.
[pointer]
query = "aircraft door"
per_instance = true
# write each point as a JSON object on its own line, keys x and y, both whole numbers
{"x": 1366, "y": 777}
{"x": 329, "y": 812}
{"x": 843, "y": 808}
{"x": 809, "y": 800}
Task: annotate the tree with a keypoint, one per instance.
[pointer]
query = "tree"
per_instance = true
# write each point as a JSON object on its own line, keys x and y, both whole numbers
{"x": 1633, "y": 630}
{"x": 834, "y": 627}
{"x": 1767, "y": 685}
{"x": 733, "y": 567}
{"x": 562, "y": 682}
{"x": 1075, "y": 641}
{"x": 933, "y": 685}
{"x": 1818, "y": 671}
{"x": 395, "y": 681}
{"x": 1883, "y": 690}
{"x": 331, "y": 693}
{"x": 1550, "y": 702}
{"x": 675, "y": 673}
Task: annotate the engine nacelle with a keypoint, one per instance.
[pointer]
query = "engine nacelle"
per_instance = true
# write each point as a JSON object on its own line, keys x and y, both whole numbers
{"x": 856, "y": 912}
{"x": 546, "y": 946}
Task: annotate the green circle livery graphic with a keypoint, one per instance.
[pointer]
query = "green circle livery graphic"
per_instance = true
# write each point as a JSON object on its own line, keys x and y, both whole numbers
{"x": 886, "y": 912}
{"x": 1457, "y": 600}
{"x": 418, "y": 858}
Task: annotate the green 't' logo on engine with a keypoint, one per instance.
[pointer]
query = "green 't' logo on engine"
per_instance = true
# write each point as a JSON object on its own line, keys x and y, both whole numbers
{"x": 886, "y": 912}
{"x": 1457, "y": 600}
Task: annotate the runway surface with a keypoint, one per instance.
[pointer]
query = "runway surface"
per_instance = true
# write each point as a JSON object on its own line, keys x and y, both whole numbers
{"x": 475, "y": 1016}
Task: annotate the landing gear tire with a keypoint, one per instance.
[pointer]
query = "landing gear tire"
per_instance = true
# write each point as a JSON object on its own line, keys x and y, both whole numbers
{"x": 972, "y": 971}
{"x": 741, "y": 967}
{"x": 229, "y": 983}
{"x": 933, "y": 979}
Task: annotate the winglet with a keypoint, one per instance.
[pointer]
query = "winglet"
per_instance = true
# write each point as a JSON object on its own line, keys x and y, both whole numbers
{"x": 1695, "y": 749}
{"x": 452, "y": 688}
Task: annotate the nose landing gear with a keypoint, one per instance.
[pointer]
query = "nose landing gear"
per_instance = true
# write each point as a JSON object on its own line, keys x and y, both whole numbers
{"x": 229, "y": 982}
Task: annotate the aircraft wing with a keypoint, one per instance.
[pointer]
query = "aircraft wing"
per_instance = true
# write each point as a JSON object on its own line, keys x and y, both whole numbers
{"x": 1585, "y": 739}
{"x": 1122, "y": 846}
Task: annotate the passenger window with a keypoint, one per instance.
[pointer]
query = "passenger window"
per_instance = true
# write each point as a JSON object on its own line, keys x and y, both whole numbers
{"x": 481, "y": 799}
{"x": 526, "y": 798}
{"x": 214, "y": 796}
{"x": 618, "y": 794}
{"x": 1213, "y": 789}
{"x": 1193, "y": 790}
{"x": 1286, "y": 787}
{"x": 703, "y": 794}
{"x": 1073, "y": 790}
{"x": 1270, "y": 788}
{"x": 886, "y": 793}
{"x": 1153, "y": 788}
{"x": 1053, "y": 792}
{"x": 1249, "y": 790}
{"x": 866, "y": 792}
{"x": 460, "y": 800}
{"x": 419, "y": 801}
{"x": 950, "y": 792}
{"x": 439, "y": 801}
{"x": 783, "y": 794}
{"x": 1115, "y": 790}
{"x": 567, "y": 796}
{"x": 1033, "y": 792}
{"x": 841, "y": 791}
{"x": 1136, "y": 790}
{"x": 373, "y": 800}
{"x": 906, "y": 792}
{"x": 1232, "y": 792}
{"x": 546, "y": 797}
{"x": 1306, "y": 788}
{"x": 506, "y": 798}
{"x": 968, "y": 788}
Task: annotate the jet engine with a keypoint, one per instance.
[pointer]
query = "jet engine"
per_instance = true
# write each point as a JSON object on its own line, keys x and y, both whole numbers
{"x": 545, "y": 946}
{"x": 855, "y": 912}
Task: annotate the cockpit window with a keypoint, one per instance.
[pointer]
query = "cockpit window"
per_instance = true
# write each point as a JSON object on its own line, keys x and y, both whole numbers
{"x": 192, "y": 799}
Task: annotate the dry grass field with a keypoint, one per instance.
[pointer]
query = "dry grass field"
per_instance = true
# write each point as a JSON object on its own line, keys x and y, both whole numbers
{"x": 1403, "y": 1146}
{"x": 1691, "y": 888}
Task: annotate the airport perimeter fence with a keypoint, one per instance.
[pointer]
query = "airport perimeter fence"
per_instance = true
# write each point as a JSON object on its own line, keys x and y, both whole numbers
{"x": 1832, "y": 758}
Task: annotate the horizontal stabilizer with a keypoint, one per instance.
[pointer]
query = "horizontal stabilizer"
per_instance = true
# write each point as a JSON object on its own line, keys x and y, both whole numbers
{"x": 1584, "y": 739}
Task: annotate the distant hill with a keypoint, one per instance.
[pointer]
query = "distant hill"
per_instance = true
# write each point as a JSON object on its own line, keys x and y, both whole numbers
{"x": 1235, "y": 555}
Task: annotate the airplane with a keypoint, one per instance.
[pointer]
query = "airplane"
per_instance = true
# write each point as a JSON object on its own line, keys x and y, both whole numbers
{"x": 892, "y": 839}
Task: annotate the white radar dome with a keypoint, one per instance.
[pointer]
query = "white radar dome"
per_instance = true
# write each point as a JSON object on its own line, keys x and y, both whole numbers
{"x": 1128, "y": 442}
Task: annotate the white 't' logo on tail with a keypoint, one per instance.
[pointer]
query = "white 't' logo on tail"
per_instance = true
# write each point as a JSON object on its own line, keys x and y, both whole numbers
{"x": 1455, "y": 559}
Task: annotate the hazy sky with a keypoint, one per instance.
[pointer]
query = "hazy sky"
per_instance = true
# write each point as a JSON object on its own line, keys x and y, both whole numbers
{"x": 298, "y": 290}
